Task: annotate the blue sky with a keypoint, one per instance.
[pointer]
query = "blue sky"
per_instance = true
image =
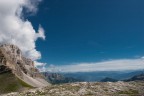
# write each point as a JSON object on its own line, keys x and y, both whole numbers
{"x": 90, "y": 30}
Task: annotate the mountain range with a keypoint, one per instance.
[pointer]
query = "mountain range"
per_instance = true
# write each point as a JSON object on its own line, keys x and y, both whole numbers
{"x": 98, "y": 76}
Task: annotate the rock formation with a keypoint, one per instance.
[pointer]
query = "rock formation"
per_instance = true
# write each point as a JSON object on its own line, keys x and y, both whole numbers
{"x": 57, "y": 78}
{"x": 11, "y": 59}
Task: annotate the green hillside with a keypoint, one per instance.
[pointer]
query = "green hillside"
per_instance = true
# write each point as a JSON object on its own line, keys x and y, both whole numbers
{"x": 10, "y": 83}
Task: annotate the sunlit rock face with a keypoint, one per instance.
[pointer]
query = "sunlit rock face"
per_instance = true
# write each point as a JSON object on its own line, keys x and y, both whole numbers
{"x": 11, "y": 58}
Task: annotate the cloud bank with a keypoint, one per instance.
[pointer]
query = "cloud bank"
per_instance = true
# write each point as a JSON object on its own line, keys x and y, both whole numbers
{"x": 15, "y": 30}
{"x": 112, "y": 65}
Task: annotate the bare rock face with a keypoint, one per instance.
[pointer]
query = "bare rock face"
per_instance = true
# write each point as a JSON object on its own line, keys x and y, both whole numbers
{"x": 11, "y": 59}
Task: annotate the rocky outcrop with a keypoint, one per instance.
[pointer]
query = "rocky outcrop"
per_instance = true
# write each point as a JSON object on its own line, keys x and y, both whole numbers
{"x": 11, "y": 59}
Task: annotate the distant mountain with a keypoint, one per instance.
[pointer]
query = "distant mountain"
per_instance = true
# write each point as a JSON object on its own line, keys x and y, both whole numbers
{"x": 139, "y": 77}
{"x": 107, "y": 79}
{"x": 98, "y": 76}
{"x": 56, "y": 78}
{"x": 16, "y": 71}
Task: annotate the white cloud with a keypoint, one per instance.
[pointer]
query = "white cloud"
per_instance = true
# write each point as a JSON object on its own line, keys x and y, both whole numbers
{"x": 112, "y": 65}
{"x": 31, "y": 5}
{"x": 39, "y": 64}
{"x": 142, "y": 57}
{"x": 15, "y": 30}
{"x": 49, "y": 68}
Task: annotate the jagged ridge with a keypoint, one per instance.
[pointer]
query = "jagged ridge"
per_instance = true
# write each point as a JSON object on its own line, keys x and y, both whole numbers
{"x": 12, "y": 61}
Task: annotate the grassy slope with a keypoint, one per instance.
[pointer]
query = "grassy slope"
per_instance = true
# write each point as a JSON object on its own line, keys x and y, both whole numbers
{"x": 10, "y": 83}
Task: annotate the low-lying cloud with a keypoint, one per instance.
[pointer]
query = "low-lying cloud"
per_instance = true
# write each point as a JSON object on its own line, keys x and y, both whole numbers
{"x": 112, "y": 65}
{"x": 15, "y": 30}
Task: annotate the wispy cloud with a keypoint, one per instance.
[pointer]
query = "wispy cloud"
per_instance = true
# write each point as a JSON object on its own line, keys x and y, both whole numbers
{"x": 112, "y": 65}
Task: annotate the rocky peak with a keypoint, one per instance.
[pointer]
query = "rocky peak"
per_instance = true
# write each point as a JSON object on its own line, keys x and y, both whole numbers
{"x": 12, "y": 50}
{"x": 11, "y": 58}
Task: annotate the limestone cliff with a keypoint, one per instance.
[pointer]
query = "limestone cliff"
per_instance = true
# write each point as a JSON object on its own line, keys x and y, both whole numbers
{"x": 11, "y": 59}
